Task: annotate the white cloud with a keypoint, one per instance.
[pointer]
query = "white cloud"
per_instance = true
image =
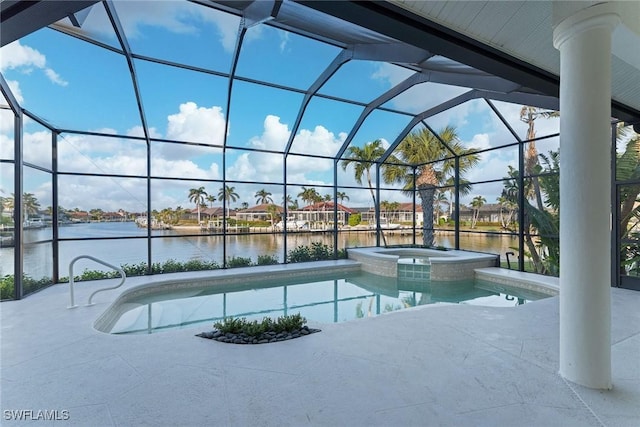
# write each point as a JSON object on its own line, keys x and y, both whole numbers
{"x": 55, "y": 77}
{"x": 176, "y": 17}
{"x": 138, "y": 131}
{"x": 197, "y": 124}
{"x": 14, "y": 85}
{"x": 6, "y": 146}
{"x": 480, "y": 141}
{"x": 284, "y": 39}
{"x": 16, "y": 56}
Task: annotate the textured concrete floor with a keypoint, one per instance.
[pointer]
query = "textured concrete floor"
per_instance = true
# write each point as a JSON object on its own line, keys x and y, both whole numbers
{"x": 456, "y": 365}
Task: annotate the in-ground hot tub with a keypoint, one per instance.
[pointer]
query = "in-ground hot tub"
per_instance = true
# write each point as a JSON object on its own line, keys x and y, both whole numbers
{"x": 420, "y": 264}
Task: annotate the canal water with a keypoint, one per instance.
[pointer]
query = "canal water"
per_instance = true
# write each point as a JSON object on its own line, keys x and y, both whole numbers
{"x": 177, "y": 245}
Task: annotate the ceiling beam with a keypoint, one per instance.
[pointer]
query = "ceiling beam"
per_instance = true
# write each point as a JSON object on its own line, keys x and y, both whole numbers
{"x": 20, "y": 18}
{"x": 395, "y": 22}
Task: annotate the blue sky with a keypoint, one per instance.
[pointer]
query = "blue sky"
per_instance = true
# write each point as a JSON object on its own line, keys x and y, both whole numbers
{"x": 73, "y": 84}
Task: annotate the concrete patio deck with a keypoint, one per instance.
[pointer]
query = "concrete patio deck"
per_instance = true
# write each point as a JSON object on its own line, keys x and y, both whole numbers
{"x": 449, "y": 365}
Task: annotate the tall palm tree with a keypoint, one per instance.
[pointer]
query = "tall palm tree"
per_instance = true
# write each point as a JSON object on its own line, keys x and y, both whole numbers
{"x": 309, "y": 195}
{"x": 434, "y": 167}
{"x": 529, "y": 115}
{"x": 465, "y": 189}
{"x": 362, "y": 159}
{"x": 439, "y": 200}
{"x": 262, "y": 197}
{"x": 211, "y": 199}
{"x": 244, "y": 205}
{"x": 197, "y": 196}
{"x": 229, "y": 195}
{"x": 30, "y": 204}
{"x": 476, "y": 204}
{"x": 342, "y": 196}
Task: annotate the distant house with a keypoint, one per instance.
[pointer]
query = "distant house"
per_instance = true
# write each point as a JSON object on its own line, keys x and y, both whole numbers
{"x": 259, "y": 213}
{"x": 79, "y": 216}
{"x": 489, "y": 212}
{"x": 206, "y": 214}
{"x": 403, "y": 214}
{"x": 322, "y": 212}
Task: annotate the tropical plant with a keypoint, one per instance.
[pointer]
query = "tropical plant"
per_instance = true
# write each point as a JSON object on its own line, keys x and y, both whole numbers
{"x": 238, "y": 261}
{"x": 342, "y": 196}
{"x": 476, "y": 204}
{"x": 197, "y": 196}
{"x": 434, "y": 165}
{"x": 253, "y": 328}
{"x": 309, "y": 195}
{"x": 529, "y": 115}
{"x": 229, "y": 195}
{"x": 272, "y": 210}
{"x": 263, "y": 197}
{"x": 267, "y": 260}
{"x": 439, "y": 200}
{"x": 362, "y": 159}
{"x": 510, "y": 206}
{"x": 211, "y": 199}
{"x": 30, "y": 204}
{"x": 628, "y": 169}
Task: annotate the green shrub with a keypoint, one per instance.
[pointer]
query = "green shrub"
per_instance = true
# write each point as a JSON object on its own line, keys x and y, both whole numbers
{"x": 320, "y": 251}
{"x": 299, "y": 254}
{"x": 198, "y": 265}
{"x": 355, "y": 219}
{"x": 254, "y": 328}
{"x": 317, "y": 252}
{"x": 29, "y": 285}
{"x": 6, "y": 287}
{"x": 267, "y": 260}
{"x": 239, "y": 261}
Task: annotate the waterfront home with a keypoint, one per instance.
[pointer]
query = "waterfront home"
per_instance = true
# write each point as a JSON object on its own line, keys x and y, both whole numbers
{"x": 259, "y": 213}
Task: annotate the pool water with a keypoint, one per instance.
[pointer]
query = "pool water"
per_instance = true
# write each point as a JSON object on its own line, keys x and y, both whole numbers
{"x": 325, "y": 300}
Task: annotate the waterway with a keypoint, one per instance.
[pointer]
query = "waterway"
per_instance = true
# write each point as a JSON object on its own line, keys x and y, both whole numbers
{"x": 180, "y": 246}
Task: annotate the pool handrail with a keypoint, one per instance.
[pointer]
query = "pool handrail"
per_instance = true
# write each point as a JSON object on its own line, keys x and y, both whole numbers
{"x": 71, "y": 278}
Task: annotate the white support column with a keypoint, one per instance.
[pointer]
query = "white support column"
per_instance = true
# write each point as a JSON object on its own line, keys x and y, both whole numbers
{"x": 584, "y": 41}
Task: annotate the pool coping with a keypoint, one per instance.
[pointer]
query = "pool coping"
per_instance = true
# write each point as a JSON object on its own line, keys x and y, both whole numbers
{"x": 547, "y": 285}
{"x": 449, "y": 265}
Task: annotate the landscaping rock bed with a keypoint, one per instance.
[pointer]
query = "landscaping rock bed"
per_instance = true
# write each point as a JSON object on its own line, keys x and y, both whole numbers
{"x": 264, "y": 338}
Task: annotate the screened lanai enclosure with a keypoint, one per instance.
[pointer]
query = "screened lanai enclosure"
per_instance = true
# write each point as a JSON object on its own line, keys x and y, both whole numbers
{"x": 202, "y": 134}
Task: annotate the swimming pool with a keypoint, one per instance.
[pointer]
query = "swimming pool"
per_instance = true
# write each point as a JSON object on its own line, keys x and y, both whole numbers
{"x": 328, "y": 299}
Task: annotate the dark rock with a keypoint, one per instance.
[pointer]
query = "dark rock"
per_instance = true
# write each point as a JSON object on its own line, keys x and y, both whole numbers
{"x": 266, "y": 337}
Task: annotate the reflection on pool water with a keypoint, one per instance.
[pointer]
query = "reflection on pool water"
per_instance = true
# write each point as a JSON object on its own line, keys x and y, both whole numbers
{"x": 325, "y": 300}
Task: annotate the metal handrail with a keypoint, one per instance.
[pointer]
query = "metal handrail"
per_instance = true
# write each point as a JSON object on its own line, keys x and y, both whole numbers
{"x": 71, "y": 279}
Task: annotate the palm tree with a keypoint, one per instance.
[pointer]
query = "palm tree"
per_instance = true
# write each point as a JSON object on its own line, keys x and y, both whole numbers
{"x": 244, "y": 205}
{"x": 505, "y": 202}
{"x": 362, "y": 159}
{"x": 197, "y": 196}
{"x": 229, "y": 195}
{"x": 272, "y": 210}
{"x": 439, "y": 200}
{"x": 434, "y": 166}
{"x": 531, "y": 164}
{"x": 262, "y": 197}
{"x": 30, "y": 204}
{"x": 309, "y": 195}
{"x": 342, "y": 196}
{"x": 211, "y": 199}
{"x": 476, "y": 204}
